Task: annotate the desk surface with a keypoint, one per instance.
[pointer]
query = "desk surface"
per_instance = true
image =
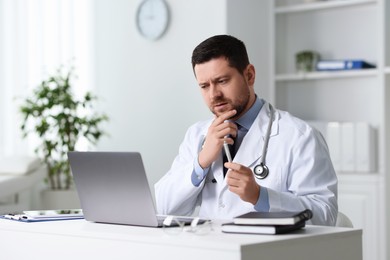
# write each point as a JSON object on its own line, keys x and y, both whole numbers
{"x": 87, "y": 239}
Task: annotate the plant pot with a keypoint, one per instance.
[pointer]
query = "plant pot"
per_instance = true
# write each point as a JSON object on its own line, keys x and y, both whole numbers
{"x": 60, "y": 199}
{"x": 305, "y": 61}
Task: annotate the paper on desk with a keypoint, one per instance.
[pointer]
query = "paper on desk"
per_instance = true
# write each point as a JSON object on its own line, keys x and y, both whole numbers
{"x": 18, "y": 165}
{"x": 25, "y": 218}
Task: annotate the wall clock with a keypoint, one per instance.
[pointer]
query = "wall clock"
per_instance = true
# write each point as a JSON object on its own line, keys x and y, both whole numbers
{"x": 152, "y": 18}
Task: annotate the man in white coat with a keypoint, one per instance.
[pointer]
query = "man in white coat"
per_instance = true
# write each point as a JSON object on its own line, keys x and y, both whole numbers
{"x": 301, "y": 175}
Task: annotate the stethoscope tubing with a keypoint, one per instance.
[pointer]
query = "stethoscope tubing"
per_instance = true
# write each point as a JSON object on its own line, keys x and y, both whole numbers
{"x": 261, "y": 170}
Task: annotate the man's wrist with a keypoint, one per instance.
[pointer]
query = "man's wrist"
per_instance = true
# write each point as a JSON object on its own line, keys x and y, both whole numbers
{"x": 204, "y": 164}
{"x": 262, "y": 204}
{"x": 198, "y": 173}
{"x": 256, "y": 195}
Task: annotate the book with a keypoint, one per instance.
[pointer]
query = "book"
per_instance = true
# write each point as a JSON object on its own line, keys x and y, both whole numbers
{"x": 262, "y": 229}
{"x": 343, "y": 65}
{"x": 334, "y": 142}
{"x": 365, "y": 147}
{"x": 273, "y": 218}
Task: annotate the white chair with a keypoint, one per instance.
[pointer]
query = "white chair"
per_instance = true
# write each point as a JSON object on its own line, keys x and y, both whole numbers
{"x": 18, "y": 176}
{"x": 343, "y": 220}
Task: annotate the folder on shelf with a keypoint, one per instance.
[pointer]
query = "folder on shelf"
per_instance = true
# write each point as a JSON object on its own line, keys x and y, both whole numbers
{"x": 365, "y": 147}
{"x": 348, "y": 147}
{"x": 333, "y": 137}
{"x": 329, "y": 65}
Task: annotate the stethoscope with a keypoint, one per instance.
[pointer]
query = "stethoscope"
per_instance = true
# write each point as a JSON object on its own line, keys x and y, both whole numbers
{"x": 261, "y": 170}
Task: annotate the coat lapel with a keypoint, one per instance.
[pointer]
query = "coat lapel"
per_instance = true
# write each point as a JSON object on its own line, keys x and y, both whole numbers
{"x": 252, "y": 144}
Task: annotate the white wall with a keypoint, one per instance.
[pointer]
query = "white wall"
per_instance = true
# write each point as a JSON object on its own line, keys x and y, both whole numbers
{"x": 148, "y": 88}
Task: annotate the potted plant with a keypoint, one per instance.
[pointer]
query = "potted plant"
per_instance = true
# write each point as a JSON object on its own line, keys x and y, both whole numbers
{"x": 60, "y": 120}
{"x": 305, "y": 61}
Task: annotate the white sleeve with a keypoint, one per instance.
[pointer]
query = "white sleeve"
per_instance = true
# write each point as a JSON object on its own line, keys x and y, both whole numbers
{"x": 311, "y": 181}
{"x": 175, "y": 193}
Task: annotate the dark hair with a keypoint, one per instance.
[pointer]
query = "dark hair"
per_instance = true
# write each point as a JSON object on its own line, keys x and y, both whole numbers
{"x": 218, "y": 46}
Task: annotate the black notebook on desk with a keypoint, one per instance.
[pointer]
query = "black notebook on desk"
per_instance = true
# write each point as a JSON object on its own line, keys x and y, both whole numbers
{"x": 273, "y": 218}
{"x": 262, "y": 229}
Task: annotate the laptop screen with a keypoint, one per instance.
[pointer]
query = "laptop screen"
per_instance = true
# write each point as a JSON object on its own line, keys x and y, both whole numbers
{"x": 113, "y": 187}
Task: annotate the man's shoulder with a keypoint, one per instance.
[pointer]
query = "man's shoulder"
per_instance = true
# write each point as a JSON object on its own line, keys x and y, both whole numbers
{"x": 286, "y": 119}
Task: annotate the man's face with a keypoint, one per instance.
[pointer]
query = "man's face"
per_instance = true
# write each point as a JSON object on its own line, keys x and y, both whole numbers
{"x": 223, "y": 88}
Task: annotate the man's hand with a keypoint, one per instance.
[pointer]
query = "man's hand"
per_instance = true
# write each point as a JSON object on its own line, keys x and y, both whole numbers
{"x": 215, "y": 137}
{"x": 241, "y": 181}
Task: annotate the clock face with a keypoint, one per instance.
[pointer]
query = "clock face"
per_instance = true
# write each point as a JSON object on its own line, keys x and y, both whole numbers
{"x": 152, "y": 18}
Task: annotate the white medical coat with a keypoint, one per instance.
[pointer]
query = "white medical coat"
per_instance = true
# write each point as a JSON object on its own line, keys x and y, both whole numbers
{"x": 301, "y": 173}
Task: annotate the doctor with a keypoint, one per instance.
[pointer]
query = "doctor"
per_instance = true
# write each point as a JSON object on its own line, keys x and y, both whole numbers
{"x": 301, "y": 175}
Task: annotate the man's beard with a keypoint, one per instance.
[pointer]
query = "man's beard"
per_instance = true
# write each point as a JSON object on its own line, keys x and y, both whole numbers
{"x": 239, "y": 107}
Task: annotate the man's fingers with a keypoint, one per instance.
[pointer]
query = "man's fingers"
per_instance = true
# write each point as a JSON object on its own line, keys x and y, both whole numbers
{"x": 236, "y": 167}
{"x": 225, "y": 116}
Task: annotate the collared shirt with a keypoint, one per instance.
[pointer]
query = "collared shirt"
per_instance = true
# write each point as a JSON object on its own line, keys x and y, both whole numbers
{"x": 245, "y": 122}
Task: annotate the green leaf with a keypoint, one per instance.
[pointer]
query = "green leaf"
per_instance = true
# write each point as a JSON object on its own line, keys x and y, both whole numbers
{"x": 53, "y": 114}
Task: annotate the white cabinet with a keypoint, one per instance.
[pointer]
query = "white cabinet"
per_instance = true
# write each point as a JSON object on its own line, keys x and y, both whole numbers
{"x": 359, "y": 199}
{"x": 340, "y": 29}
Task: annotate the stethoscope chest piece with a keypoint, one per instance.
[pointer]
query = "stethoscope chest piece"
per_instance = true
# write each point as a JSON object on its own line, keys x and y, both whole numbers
{"x": 261, "y": 171}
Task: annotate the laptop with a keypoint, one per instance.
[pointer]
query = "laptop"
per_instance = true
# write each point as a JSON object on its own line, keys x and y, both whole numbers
{"x": 113, "y": 188}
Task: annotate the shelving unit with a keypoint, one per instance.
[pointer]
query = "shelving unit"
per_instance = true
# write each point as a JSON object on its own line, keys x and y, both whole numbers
{"x": 303, "y": 7}
{"x": 326, "y": 75}
{"x": 340, "y": 29}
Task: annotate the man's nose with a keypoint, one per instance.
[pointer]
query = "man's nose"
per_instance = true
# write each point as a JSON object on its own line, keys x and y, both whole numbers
{"x": 215, "y": 92}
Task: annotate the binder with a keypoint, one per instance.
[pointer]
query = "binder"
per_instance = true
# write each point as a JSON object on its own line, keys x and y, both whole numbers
{"x": 365, "y": 147}
{"x": 334, "y": 142}
{"x": 329, "y": 65}
{"x": 348, "y": 147}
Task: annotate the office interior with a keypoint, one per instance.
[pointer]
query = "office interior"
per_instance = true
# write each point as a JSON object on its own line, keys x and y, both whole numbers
{"x": 149, "y": 92}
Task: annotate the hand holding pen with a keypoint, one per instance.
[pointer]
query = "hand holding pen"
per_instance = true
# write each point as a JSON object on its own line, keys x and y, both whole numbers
{"x": 218, "y": 134}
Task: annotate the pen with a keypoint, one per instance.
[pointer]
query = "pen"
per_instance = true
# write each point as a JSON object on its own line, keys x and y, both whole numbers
{"x": 227, "y": 151}
{"x": 11, "y": 216}
{"x": 226, "y": 147}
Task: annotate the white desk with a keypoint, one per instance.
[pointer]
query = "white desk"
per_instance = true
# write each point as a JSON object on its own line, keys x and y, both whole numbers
{"x": 79, "y": 239}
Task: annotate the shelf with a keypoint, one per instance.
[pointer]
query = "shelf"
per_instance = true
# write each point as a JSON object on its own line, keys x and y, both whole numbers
{"x": 320, "y": 6}
{"x": 372, "y": 177}
{"x": 326, "y": 75}
{"x": 387, "y": 70}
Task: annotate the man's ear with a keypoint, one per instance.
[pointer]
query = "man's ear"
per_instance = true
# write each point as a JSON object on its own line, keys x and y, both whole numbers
{"x": 250, "y": 74}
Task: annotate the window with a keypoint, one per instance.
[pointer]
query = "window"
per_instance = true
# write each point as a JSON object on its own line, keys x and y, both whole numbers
{"x": 36, "y": 38}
